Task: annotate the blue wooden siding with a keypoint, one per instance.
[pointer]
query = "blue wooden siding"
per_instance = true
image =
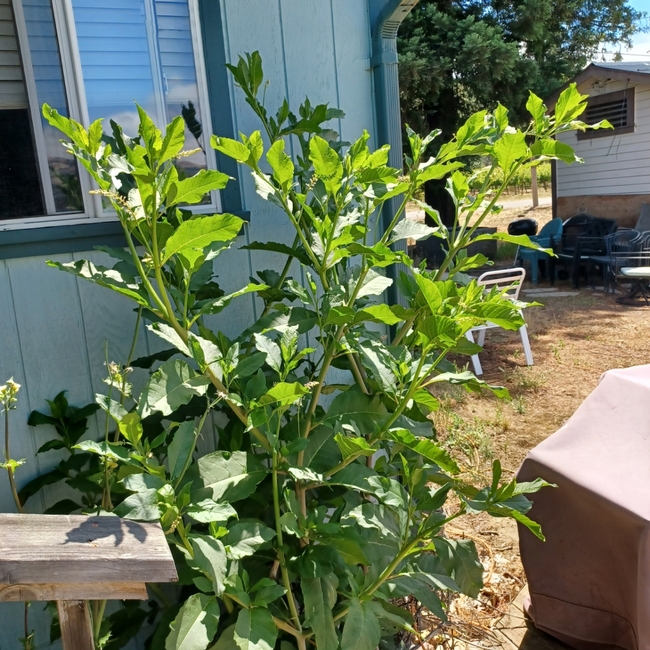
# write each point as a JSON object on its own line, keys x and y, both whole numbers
{"x": 54, "y": 328}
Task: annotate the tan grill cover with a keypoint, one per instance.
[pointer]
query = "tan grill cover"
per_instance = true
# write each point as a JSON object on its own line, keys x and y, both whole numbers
{"x": 590, "y": 581}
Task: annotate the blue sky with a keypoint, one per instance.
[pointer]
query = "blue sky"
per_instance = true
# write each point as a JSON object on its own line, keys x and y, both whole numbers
{"x": 641, "y": 46}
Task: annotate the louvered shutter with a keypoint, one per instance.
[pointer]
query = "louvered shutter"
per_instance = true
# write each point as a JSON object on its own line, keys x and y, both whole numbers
{"x": 12, "y": 84}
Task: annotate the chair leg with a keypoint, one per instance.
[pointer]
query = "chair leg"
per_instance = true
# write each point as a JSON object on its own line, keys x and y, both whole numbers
{"x": 528, "y": 353}
{"x": 476, "y": 362}
{"x": 481, "y": 338}
{"x": 534, "y": 268}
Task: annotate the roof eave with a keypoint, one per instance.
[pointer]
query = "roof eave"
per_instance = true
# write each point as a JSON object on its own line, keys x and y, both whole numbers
{"x": 594, "y": 71}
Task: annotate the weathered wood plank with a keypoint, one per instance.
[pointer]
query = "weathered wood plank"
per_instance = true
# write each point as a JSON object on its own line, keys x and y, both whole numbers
{"x": 76, "y": 630}
{"x": 72, "y": 591}
{"x": 77, "y": 549}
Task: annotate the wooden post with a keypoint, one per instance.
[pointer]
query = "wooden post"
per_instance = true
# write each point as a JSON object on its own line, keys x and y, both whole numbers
{"x": 76, "y": 629}
{"x": 533, "y": 186}
{"x": 74, "y": 559}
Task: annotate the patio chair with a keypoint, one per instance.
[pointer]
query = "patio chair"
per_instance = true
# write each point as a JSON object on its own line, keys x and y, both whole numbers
{"x": 509, "y": 281}
{"x": 643, "y": 222}
{"x": 583, "y": 236}
{"x": 618, "y": 244}
{"x": 548, "y": 235}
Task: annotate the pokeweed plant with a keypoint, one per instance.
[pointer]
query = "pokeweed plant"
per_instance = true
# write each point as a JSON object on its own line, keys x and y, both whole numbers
{"x": 326, "y": 498}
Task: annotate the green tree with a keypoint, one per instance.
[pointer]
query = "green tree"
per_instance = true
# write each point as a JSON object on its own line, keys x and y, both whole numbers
{"x": 459, "y": 56}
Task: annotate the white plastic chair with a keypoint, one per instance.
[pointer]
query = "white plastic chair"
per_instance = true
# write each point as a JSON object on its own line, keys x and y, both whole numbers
{"x": 509, "y": 280}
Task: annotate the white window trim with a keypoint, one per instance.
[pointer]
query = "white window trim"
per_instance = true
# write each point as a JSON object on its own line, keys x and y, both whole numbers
{"x": 78, "y": 110}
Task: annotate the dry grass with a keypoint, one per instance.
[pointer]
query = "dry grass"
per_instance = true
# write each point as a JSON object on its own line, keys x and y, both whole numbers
{"x": 574, "y": 340}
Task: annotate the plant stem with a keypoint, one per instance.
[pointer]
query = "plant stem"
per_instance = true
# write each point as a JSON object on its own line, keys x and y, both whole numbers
{"x": 357, "y": 373}
{"x": 10, "y": 471}
{"x": 188, "y": 460}
{"x": 99, "y": 606}
{"x": 278, "y": 531}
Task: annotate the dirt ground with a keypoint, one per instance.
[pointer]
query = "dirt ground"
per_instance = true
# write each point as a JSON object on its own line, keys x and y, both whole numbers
{"x": 574, "y": 340}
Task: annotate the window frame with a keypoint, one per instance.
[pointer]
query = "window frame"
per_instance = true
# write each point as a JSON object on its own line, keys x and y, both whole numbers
{"x": 73, "y": 81}
{"x": 606, "y": 98}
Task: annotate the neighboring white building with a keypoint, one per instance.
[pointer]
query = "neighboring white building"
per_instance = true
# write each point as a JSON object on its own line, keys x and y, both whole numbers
{"x": 614, "y": 180}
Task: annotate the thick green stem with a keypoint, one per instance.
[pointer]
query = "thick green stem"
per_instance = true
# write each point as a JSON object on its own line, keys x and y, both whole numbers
{"x": 98, "y": 614}
{"x": 190, "y": 456}
{"x": 357, "y": 373}
{"x": 10, "y": 471}
{"x": 278, "y": 531}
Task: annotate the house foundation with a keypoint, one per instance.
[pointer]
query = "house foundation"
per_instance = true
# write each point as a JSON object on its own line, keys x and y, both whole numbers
{"x": 625, "y": 208}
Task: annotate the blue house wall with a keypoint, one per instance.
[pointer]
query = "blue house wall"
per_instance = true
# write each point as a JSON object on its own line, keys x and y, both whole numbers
{"x": 54, "y": 329}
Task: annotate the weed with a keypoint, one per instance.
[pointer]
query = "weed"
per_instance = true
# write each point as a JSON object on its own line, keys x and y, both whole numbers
{"x": 556, "y": 349}
{"x": 519, "y": 405}
{"x": 528, "y": 379}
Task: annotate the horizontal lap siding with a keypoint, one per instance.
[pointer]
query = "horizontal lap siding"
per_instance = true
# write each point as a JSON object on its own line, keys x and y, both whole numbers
{"x": 57, "y": 328}
{"x": 614, "y": 164}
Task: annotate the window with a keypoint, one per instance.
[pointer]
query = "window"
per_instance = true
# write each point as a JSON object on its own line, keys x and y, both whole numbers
{"x": 617, "y": 108}
{"x": 90, "y": 59}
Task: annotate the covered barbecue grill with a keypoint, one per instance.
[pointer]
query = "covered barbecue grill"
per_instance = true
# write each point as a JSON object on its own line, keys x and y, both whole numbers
{"x": 590, "y": 581}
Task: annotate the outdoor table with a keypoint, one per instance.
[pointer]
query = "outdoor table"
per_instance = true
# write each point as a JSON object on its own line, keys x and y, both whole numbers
{"x": 73, "y": 559}
{"x": 590, "y": 580}
{"x": 640, "y": 278}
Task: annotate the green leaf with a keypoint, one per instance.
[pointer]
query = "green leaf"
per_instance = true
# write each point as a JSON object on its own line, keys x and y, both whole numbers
{"x": 362, "y": 630}
{"x": 142, "y": 482}
{"x": 353, "y": 447}
{"x": 570, "y": 105}
{"x": 210, "y": 557}
{"x": 173, "y": 141}
{"x": 532, "y": 526}
{"x": 200, "y": 232}
{"x": 319, "y": 595}
{"x": 510, "y": 149}
{"x": 193, "y": 189}
{"x": 461, "y": 561}
{"x": 284, "y": 394}
{"x": 170, "y": 387}
{"x": 409, "y": 229}
{"x": 108, "y": 278}
{"x": 245, "y": 537}
{"x": 229, "y": 476}
{"x": 141, "y": 506}
{"x": 535, "y": 106}
{"x": 550, "y": 148}
{"x": 208, "y": 511}
{"x": 276, "y": 247}
{"x": 374, "y": 284}
{"x": 255, "y": 629}
{"x": 379, "y": 314}
{"x": 355, "y": 406}
{"x": 436, "y": 172}
{"x": 131, "y": 428}
{"x": 113, "y": 451}
{"x": 425, "y": 448}
{"x": 195, "y": 625}
{"x": 271, "y": 349}
{"x": 327, "y": 164}
{"x": 281, "y": 164}
{"x": 169, "y": 334}
{"x": 219, "y": 304}
{"x": 414, "y": 585}
{"x": 180, "y": 448}
{"x": 231, "y": 148}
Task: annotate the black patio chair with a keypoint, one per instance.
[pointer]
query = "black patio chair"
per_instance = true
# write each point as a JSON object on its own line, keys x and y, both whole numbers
{"x": 617, "y": 245}
{"x": 583, "y": 236}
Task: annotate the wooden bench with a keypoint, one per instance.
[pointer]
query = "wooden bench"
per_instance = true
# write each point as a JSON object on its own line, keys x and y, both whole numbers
{"x": 73, "y": 559}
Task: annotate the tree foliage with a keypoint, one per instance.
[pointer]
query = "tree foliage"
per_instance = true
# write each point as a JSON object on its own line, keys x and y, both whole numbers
{"x": 460, "y": 56}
